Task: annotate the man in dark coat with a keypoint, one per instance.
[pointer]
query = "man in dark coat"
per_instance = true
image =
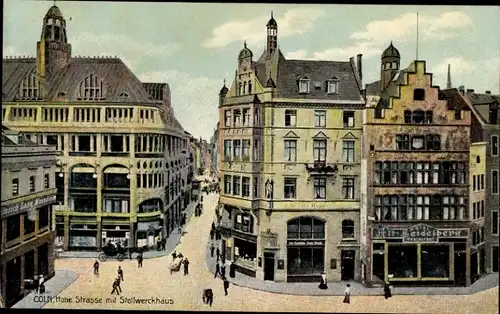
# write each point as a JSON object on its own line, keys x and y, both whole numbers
{"x": 217, "y": 270}
{"x": 226, "y": 285}
{"x": 174, "y": 255}
{"x": 96, "y": 268}
{"x": 387, "y": 291}
{"x": 223, "y": 271}
{"x": 208, "y": 296}
{"x": 115, "y": 287}
{"x": 213, "y": 226}
{"x": 211, "y": 234}
{"x": 218, "y": 254}
{"x": 139, "y": 260}
{"x": 186, "y": 266}
{"x": 212, "y": 249}
{"x": 120, "y": 273}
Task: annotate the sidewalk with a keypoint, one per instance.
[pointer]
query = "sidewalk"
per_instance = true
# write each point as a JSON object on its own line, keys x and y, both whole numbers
{"x": 53, "y": 287}
{"x": 172, "y": 241}
{"x": 337, "y": 288}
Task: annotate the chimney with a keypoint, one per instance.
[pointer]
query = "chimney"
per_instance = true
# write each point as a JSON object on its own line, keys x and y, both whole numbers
{"x": 470, "y": 90}
{"x": 461, "y": 89}
{"x": 359, "y": 66}
{"x": 488, "y": 92}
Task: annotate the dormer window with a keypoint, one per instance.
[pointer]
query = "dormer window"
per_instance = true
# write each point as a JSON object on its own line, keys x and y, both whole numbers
{"x": 333, "y": 86}
{"x": 304, "y": 85}
{"x": 123, "y": 96}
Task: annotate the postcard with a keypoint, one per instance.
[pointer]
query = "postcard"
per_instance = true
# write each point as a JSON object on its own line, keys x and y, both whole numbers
{"x": 250, "y": 157}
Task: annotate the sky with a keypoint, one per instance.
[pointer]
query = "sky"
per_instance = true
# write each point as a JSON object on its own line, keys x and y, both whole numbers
{"x": 194, "y": 47}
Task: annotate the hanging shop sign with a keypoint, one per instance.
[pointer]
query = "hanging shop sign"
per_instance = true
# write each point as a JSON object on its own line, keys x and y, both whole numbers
{"x": 17, "y": 208}
{"x": 418, "y": 233}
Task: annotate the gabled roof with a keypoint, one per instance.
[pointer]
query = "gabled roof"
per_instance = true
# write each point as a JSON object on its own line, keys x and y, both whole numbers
{"x": 290, "y": 71}
{"x": 112, "y": 71}
{"x": 13, "y": 72}
{"x": 454, "y": 99}
{"x": 480, "y": 104}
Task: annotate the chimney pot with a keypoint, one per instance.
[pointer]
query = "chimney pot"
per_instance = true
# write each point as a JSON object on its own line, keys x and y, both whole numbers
{"x": 488, "y": 92}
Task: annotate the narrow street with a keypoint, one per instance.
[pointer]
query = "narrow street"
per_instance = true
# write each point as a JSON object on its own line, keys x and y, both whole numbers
{"x": 154, "y": 280}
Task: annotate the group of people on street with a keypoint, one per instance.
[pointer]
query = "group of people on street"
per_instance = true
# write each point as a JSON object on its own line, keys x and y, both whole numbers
{"x": 198, "y": 210}
{"x": 116, "y": 283}
{"x": 161, "y": 244}
{"x": 215, "y": 232}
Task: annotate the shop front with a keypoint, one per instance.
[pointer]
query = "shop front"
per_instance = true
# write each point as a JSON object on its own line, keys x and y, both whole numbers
{"x": 420, "y": 254}
{"x": 245, "y": 253}
{"x": 147, "y": 233}
{"x": 83, "y": 235}
{"x": 115, "y": 234}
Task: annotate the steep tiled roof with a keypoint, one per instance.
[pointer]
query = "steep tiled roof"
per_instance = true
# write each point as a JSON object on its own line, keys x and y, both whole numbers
{"x": 481, "y": 103}
{"x": 454, "y": 99}
{"x": 318, "y": 72}
{"x": 112, "y": 71}
{"x": 13, "y": 72}
{"x": 115, "y": 74}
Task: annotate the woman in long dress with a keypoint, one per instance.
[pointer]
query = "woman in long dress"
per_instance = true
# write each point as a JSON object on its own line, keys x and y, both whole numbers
{"x": 323, "y": 284}
{"x": 347, "y": 298}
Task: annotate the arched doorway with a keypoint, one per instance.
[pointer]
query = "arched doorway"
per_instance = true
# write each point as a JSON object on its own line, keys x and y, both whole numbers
{"x": 305, "y": 249}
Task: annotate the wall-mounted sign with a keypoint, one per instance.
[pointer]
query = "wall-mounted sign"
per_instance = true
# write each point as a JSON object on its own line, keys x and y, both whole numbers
{"x": 281, "y": 264}
{"x": 418, "y": 233}
{"x": 333, "y": 263}
{"x": 305, "y": 242}
{"x": 27, "y": 205}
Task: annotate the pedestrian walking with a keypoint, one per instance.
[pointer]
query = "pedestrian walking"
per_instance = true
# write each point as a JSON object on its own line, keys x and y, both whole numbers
{"x": 217, "y": 270}
{"x": 139, "y": 260}
{"x": 174, "y": 255}
{"x": 387, "y": 290}
{"x": 163, "y": 244}
{"x": 118, "y": 281}
{"x": 347, "y": 293}
{"x": 186, "y": 266}
{"x": 211, "y": 235}
{"x": 223, "y": 271}
{"x": 179, "y": 229}
{"x": 120, "y": 273}
{"x": 212, "y": 249}
{"x": 218, "y": 254}
{"x": 226, "y": 285}
{"x": 208, "y": 296}
{"x": 213, "y": 226}
{"x": 115, "y": 287}
{"x": 96, "y": 268}
{"x": 322, "y": 284}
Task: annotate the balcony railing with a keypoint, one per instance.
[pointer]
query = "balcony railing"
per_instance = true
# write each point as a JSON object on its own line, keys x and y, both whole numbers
{"x": 321, "y": 168}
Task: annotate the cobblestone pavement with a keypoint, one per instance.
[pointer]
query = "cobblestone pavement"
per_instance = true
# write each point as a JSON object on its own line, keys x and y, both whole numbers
{"x": 155, "y": 281}
{"x": 53, "y": 286}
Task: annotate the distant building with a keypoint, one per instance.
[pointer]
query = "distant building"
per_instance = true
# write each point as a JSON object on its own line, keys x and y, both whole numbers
{"x": 28, "y": 193}
{"x": 416, "y": 223}
{"x": 485, "y": 135}
{"x": 289, "y": 161}
{"x": 122, "y": 167}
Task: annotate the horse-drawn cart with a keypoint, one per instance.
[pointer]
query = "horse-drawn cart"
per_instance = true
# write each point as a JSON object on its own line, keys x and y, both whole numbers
{"x": 176, "y": 264}
{"x": 112, "y": 250}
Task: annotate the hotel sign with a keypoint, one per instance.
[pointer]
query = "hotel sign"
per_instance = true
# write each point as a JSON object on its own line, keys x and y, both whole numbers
{"x": 17, "y": 208}
{"x": 305, "y": 242}
{"x": 418, "y": 233}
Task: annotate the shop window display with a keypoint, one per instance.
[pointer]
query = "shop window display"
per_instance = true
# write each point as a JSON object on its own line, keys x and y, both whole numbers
{"x": 435, "y": 261}
{"x": 403, "y": 261}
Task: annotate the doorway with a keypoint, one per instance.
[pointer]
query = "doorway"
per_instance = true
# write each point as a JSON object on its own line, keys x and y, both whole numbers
{"x": 460, "y": 266}
{"x": 269, "y": 266}
{"x": 347, "y": 265}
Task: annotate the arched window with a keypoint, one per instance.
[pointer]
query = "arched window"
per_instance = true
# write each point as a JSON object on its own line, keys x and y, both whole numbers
{"x": 249, "y": 87}
{"x": 58, "y": 22}
{"x": 240, "y": 86}
{"x": 306, "y": 228}
{"x": 91, "y": 88}
{"x": 243, "y": 222}
{"x": 50, "y": 21}
{"x": 244, "y": 87}
{"x": 29, "y": 89}
{"x": 347, "y": 229}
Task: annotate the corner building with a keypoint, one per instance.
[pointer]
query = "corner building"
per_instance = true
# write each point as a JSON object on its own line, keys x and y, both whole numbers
{"x": 122, "y": 165}
{"x": 28, "y": 195}
{"x": 416, "y": 156}
{"x": 289, "y": 163}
